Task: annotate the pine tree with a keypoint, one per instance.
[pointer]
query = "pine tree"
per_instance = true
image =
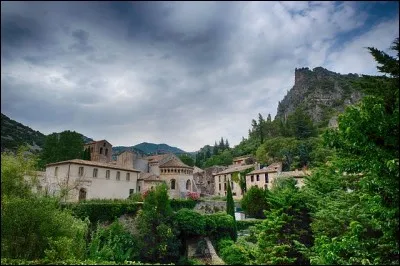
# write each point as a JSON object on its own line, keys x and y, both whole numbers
{"x": 230, "y": 208}
{"x": 215, "y": 149}
{"x": 226, "y": 144}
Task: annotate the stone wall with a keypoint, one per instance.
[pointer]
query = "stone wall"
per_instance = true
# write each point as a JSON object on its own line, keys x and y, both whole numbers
{"x": 210, "y": 206}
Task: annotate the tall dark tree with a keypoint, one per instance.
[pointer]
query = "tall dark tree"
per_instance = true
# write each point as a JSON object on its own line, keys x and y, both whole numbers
{"x": 215, "y": 148}
{"x": 261, "y": 124}
{"x": 226, "y": 144}
{"x": 230, "y": 207}
{"x": 221, "y": 145}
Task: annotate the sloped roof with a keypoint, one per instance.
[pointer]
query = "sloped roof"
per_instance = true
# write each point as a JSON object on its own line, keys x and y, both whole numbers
{"x": 242, "y": 157}
{"x": 261, "y": 171}
{"x": 95, "y": 141}
{"x": 294, "y": 174}
{"x": 149, "y": 177}
{"x": 197, "y": 170}
{"x": 94, "y": 163}
{"x": 156, "y": 158}
{"x": 175, "y": 163}
{"x": 235, "y": 169}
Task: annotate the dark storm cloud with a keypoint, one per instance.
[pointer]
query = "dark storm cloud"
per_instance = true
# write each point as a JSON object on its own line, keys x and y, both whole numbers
{"x": 184, "y": 73}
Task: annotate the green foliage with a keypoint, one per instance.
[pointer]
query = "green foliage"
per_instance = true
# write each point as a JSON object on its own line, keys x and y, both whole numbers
{"x": 254, "y": 202}
{"x": 13, "y": 170}
{"x": 34, "y": 227}
{"x": 220, "y": 225}
{"x": 286, "y": 227}
{"x": 245, "y": 224}
{"x": 155, "y": 230}
{"x": 177, "y": 204}
{"x": 230, "y": 208}
{"x": 187, "y": 159}
{"x": 86, "y": 155}
{"x": 235, "y": 253}
{"x": 102, "y": 210}
{"x": 112, "y": 243}
{"x": 62, "y": 146}
{"x": 191, "y": 223}
{"x": 136, "y": 197}
{"x": 7, "y": 261}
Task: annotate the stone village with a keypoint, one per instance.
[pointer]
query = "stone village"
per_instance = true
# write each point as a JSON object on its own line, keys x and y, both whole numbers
{"x": 104, "y": 178}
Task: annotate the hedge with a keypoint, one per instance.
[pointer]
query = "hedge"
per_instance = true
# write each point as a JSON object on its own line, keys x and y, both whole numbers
{"x": 177, "y": 204}
{"x": 6, "y": 261}
{"x": 102, "y": 210}
{"x": 244, "y": 224}
{"x": 219, "y": 225}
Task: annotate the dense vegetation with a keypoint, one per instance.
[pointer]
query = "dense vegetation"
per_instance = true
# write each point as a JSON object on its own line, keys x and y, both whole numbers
{"x": 347, "y": 213}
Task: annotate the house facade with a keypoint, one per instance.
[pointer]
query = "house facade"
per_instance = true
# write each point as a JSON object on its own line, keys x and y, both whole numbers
{"x": 83, "y": 180}
{"x": 222, "y": 178}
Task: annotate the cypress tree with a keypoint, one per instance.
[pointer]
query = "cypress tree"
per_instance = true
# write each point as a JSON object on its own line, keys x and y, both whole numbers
{"x": 230, "y": 208}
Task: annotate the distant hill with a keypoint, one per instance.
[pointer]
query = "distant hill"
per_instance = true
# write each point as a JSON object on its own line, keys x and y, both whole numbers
{"x": 15, "y": 134}
{"x": 151, "y": 148}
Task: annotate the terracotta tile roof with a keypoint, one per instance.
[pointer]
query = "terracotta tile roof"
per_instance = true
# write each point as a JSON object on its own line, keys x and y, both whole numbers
{"x": 149, "y": 177}
{"x": 95, "y": 141}
{"x": 235, "y": 169}
{"x": 175, "y": 163}
{"x": 94, "y": 163}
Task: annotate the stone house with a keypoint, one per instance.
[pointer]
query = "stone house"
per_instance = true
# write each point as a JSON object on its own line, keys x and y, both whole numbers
{"x": 221, "y": 179}
{"x": 265, "y": 178}
{"x": 204, "y": 179}
{"x": 100, "y": 151}
{"x": 91, "y": 180}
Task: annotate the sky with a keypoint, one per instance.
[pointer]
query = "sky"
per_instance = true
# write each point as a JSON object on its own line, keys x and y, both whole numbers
{"x": 181, "y": 73}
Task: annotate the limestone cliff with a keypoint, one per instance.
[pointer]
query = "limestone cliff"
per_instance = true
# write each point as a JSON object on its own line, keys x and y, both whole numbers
{"x": 321, "y": 92}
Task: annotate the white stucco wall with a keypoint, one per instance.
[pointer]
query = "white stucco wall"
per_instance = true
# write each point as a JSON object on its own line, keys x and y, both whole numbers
{"x": 97, "y": 187}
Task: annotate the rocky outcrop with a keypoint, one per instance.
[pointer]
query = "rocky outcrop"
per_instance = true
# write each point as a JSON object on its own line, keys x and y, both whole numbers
{"x": 321, "y": 92}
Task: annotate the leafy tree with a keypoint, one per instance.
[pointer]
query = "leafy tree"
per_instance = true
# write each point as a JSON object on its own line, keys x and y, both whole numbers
{"x": 62, "y": 146}
{"x": 187, "y": 159}
{"x": 301, "y": 124}
{"x": 254, "y": 202}
{"x": 286, "y": 230}
{"x": 230, "y": 208}
{"x": 155, "y": 230}
{"x": 355, "y": 197}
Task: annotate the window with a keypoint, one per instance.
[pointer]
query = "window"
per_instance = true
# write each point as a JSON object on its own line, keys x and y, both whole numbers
{"x": 173, "y": 184}
{"x": 188, "y": 185}
{"x": 208, "y": 182}
{"x": 138, "y": 189}
{"x": 106, "y": 152}
{"x": 91, "y": 149}
{"x": 80, "y": 172}
{"x": 108, "y": 174}
{"x": 224, "y": 178}
{"x": 258, "y": 177}
{"x": 266, "y": 177}
{"x": 56, "y": 172}
{"x": 225, "y": 186}
{"x": 131, "y": 191}
{"x": 220, "y": 186}
{"x": 104, "y": 144}
{"x": 118, "y": 176}
{"x": 232, "y": 185}
{"x": 219, "y": 178}
{"x": 82, "y": 194}
{"x": 101, "y": 150}
{"x": 95, "y": 172}
{"x": 234, "y": 194}
{"x": 128, "y": 176}
{"x": 252, "y": 178}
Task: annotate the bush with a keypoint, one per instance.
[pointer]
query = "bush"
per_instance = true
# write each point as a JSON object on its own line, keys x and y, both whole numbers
{"x": 244, "y": 224}
{"x": 34, "y": 227}
{"x": 177, "y": 204}
{"x": 102, "y": 210}
{"x": 219, "y": 225}
{"x": 235, "y": 253}
{"x": 191, "y": 223}
{"x": 254, "y": 202}
{"x": 136, "y": 197}
{"x": 112, "y": 243}
{"x": 6, "y": 261}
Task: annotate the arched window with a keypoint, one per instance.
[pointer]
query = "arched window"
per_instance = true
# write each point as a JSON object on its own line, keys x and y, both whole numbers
{"x": 82, "y": 194}
{"x": 188, "y": 185}
{"x": 173, "y": 184}
{"x": 101, "y": 150}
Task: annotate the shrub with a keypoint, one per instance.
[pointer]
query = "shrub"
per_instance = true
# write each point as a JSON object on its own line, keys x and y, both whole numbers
{"x": 193, "y": 195}
{"x": 112, "y": 243}
{"x": 136, "y": 197}
{"x": 244, "y": 224}
{"x": 34, "y": 227}
{"x": 102, "y": 210}
{"x": 177, "y": 204}
{"x": 7, "y": 261}
{"x": 191, "y": 223}
{"x": 254, "y": 202}
{"x": 219, "y": 225}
